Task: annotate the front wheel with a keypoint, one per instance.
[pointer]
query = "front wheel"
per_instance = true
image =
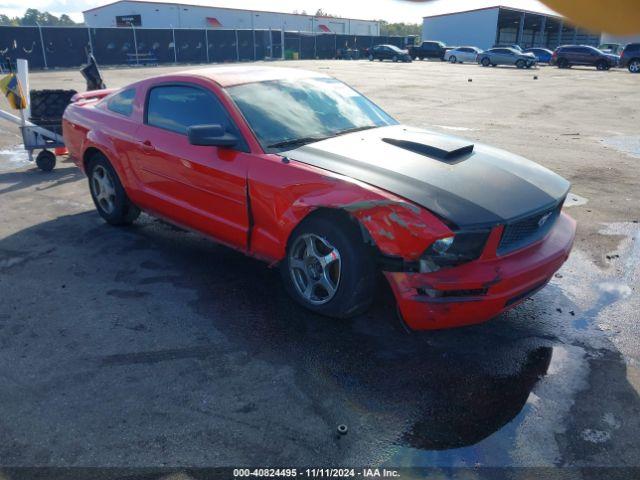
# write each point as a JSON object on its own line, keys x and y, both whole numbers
{"x": 602, "y": 65}
{"x": 395, "y": 59}
{"x": 328, "y": 269}
{"x": 520, "y": 64}
{"x": 634, "y": 66}
{"x": 453, "y": 59}
{"x": 108, "y": 194}
{"x": 485, "y": 62}
{"x": 371, "y": 58}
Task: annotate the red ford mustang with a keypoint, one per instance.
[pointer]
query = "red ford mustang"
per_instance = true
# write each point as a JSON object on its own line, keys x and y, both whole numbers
{"x": 300, "y": 170}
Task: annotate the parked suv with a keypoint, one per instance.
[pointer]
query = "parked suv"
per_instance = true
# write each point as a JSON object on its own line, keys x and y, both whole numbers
{"x": 569, "y": 55}
{"x": 388, "y": 52}
{"x": 630, "y": 57}
{"x": 430, "y": 49}
{"x": 506, "y": 56}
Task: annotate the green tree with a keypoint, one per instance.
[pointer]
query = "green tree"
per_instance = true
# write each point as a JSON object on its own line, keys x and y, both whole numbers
{"x": 400, "y": 29}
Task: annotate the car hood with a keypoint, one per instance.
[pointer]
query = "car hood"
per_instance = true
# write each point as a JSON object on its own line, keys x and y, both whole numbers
{"x": 470, "y": 185}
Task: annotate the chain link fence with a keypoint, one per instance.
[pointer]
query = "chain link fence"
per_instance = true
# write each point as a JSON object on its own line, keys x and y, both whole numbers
{"x": 63, "y": 47}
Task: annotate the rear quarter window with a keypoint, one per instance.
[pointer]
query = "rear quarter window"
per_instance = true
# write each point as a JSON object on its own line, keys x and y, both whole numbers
{"x": 122, "y": 103}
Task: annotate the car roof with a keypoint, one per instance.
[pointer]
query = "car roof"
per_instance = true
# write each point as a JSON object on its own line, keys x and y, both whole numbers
{"x": 229, "y": 76}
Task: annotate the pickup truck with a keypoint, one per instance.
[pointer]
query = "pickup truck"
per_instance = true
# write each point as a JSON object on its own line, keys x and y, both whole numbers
{"x": 430, "y": 49}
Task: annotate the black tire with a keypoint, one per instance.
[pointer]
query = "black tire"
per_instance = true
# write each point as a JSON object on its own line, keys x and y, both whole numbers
{"x": 356, "y": 267}
{"x": 380, "y": 59}
{"x": 49, "y": 104}
{"x": 395, "y": 59}
{"x": 563, "y": 63}
{"x": 602, "y": 65}
{"x": 46, "y": 160}
{"x": 485, "y": 62}
{"x": 634, "y": 65}
{"x": 421, "y": 58}
{"x": 123, "y": 211}
{"x": 521, "y": 64}
{"x": 371, "y": 59}
{"x": 453, "y": 59}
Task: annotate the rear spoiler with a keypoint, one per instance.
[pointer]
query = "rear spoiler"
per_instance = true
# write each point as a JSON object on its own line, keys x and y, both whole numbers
{"x": 92, "y": 95}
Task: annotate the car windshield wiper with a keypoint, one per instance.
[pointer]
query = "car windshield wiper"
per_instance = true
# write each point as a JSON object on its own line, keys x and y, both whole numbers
{"x": 296, "y": 141}
{"x": 355, "y": 129}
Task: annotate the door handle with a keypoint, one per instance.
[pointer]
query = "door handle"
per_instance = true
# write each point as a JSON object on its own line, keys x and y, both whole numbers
{"x": 147, "y": 146}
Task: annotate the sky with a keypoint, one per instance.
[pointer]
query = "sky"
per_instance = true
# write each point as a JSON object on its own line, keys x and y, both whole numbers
{"x": 410, "y": 11}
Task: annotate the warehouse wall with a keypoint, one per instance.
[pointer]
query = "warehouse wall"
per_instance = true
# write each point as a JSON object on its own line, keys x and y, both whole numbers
{"x": 155, "y": 15}
{"x": 621, "y": 39}
{"x": 466, "y": 28}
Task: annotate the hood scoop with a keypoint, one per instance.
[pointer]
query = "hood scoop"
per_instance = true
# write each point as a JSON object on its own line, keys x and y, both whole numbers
{"x": 434, "y": 146}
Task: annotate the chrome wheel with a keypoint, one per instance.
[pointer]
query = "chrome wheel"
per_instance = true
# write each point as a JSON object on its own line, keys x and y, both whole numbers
{"x": 314, "y": 266}
{"x": 103, "y": 189}
{"x": 634, "y": 66}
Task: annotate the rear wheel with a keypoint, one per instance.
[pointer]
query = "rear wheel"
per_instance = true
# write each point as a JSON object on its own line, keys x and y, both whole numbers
{"x": 602, "y": 65}
{"x": 485, "y": 62}
{"x": 327, "y": 268}
{"x": 563, "y": 63}
{"x": 371, "y": 58}
{"x": 521, "y": 64}
{"x": 453, "y": 59}
{"x": 634, "y": 65}
{"x": 395, "y": 58}
{"x": 108, "y": 194}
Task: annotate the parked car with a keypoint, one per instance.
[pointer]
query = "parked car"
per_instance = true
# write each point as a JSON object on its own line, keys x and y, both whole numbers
{"x": 568, "y": 55}
{"x": 613, "y": 48}
{"x": 630, "y": 57}
{"x": 428, "y": 49}
{"x": 462, "y": 54}
{"x": 506, "y": 56}
{"x": 388, "y": 52}
{"x": 508, "y": 45}
{"x": 543, "y": 55}
{"x": 299, "y": 170}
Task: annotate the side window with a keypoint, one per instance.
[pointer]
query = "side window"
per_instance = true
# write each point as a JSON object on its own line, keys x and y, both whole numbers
{"x": 177, "y": 107}
{"x": 122, "y": 103}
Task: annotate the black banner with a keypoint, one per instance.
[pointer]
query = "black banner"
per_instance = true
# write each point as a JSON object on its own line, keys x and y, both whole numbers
{"x": 64, "y": 47}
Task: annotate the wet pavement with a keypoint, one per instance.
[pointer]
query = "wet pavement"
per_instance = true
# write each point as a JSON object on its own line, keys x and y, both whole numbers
{"x": 150, "y": 345}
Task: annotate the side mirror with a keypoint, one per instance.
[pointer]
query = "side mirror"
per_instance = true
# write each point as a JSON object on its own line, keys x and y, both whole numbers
{"x": 211, "y": 135}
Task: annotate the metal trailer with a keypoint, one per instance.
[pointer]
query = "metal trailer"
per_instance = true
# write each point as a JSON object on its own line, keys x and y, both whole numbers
{"x": 34, "y": 137}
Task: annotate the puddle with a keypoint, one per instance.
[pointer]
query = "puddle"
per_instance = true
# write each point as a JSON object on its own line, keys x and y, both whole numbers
{"x": 628, "y": 144}
{"x": 13, "y": 157}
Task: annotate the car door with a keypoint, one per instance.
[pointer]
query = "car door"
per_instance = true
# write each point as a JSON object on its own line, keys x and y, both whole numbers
{"x": 581, "y": 56}
{"x": 507, "y": 57}
{"x": 200, "y": 187}
{"x": 467, "y": 55}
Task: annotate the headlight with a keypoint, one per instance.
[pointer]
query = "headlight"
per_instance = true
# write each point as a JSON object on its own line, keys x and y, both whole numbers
{"x": 452, "y": 251}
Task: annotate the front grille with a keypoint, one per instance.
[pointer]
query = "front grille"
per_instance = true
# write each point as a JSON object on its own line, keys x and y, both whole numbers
{"x": 524, "y": 232}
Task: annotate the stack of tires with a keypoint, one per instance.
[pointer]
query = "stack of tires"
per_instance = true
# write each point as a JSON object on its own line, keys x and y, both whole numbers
{"x": 47, "y": 107}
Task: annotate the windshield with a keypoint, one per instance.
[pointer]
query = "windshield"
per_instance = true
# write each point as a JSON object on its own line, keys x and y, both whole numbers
{"x": 285, "y": 114}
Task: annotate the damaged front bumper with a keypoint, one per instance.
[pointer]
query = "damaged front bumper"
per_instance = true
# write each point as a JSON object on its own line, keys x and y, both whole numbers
{"x": 479, "y": 290}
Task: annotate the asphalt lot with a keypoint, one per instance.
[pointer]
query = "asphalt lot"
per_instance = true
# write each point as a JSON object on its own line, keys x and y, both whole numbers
{"x": 151, "y": 346}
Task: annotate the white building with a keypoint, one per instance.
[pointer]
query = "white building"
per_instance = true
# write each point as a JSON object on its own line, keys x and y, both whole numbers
{"x": 146, "y": 14}
{"x": 486, "y": 27}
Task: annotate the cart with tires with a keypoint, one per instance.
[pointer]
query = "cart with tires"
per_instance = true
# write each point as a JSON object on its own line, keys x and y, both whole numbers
{"x": 40, "y": 122}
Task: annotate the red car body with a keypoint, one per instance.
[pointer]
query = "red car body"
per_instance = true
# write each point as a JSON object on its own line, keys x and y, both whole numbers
{"x": 252, "y": 200}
